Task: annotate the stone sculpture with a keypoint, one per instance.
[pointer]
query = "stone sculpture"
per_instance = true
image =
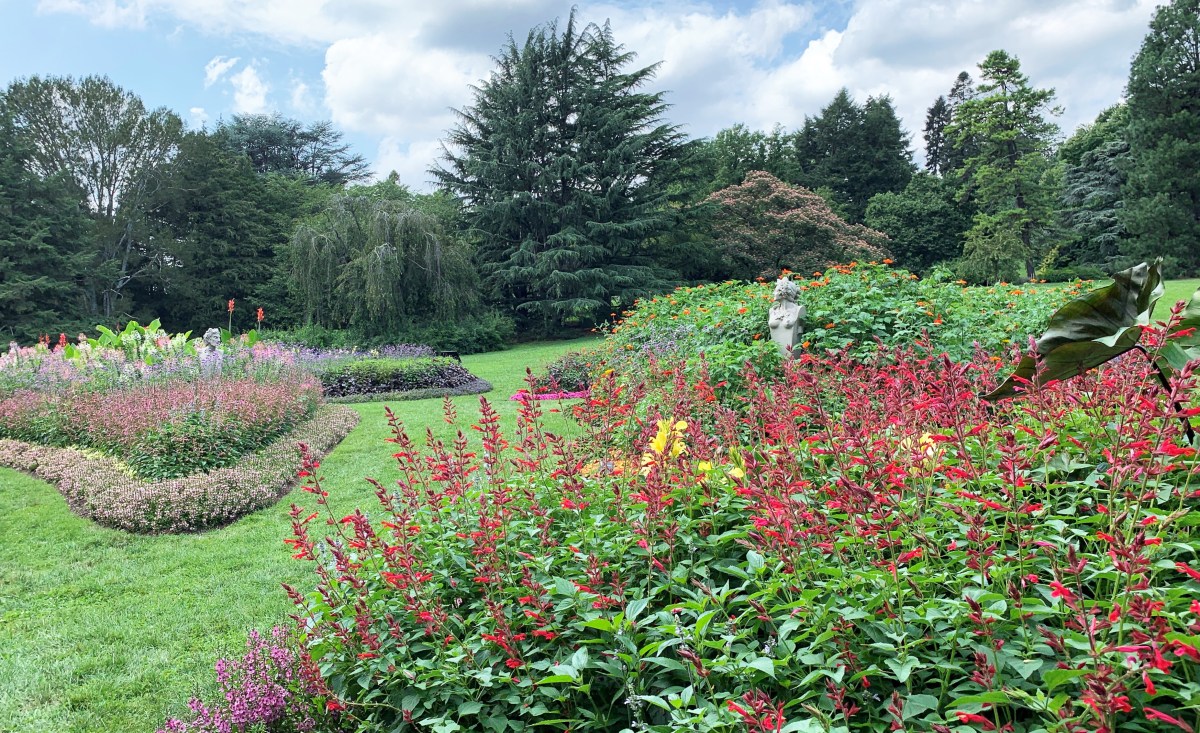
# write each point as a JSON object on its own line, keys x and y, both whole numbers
{"x": 210, "y": 353}
{"x": 786, "y": 317}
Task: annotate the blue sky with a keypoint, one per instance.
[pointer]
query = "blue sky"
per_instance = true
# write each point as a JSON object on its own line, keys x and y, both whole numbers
{"x": 387, "y": 72}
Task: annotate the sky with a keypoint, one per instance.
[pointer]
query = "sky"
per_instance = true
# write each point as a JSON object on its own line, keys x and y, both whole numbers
{"x": 389, "y": 73}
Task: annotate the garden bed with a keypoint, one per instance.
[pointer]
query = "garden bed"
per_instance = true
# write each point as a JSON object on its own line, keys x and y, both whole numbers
{"x": 102, "y": 489}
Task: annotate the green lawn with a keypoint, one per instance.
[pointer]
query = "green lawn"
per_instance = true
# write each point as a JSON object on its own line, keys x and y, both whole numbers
{"x": 106, "y": 631}
{"x": 1176, "y": 290}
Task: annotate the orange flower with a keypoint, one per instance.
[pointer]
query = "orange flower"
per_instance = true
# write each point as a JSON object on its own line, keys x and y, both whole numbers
{"x": 830, "y": 324}
{"x": 889, "y": 261}
{"x": 806, "y": 344}
{"x": 742, "y": 310}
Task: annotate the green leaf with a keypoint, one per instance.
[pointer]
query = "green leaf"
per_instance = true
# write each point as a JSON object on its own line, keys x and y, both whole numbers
{"x": 1025, "y": 667}
{"x": 902, "y": 670}
{"x": 600, "y": 624}
{"x": 556, "y": 679}
{"x": 1055, "y": 677}
{"x": 763, "y": 664}
{"x": 470, "y": 708}
{"x": 917, "y": 704}
{"x": 1090, "y": 330}
{"x": 991, "y": 698}
{"x": 635, "y": 608}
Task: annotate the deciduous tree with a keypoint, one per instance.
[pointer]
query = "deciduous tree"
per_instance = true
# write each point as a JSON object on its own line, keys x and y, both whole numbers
{"x": 767, "y": 225}
{"x": 104, "y": 140}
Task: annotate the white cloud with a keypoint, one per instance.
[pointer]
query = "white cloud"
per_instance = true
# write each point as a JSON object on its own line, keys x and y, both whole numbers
{"x": 411, "y": 161}
{"x": 104, "y": 13}
{"x": 217, "y": 68}
{"x": 198, "y": 117}
{"x": 392, "y": 69}
{"x": 392, "y": 86}
{"x": 249, "y": 91}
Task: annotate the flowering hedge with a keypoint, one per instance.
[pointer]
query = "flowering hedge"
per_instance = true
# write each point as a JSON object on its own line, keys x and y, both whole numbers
{"x": 863, "y": 545}
{"x": 99, "y": 488}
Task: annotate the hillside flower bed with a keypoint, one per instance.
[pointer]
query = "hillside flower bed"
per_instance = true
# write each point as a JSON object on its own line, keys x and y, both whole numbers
{"x": 851, "y": 308}
{"x": 863, "y": 545}
{"x": 103, "y": 490}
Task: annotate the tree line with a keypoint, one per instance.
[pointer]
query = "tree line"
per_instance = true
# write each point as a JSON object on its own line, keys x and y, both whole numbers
{"x": 563, "y": 194}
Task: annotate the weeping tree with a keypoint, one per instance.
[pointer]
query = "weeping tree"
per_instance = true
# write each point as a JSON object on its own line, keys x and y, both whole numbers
{"x": 380, "y": 266}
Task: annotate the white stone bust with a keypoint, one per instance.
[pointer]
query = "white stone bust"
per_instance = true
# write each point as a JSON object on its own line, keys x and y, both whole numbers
{"x": 210, "y": 353}
{"x": 786, "y": 317}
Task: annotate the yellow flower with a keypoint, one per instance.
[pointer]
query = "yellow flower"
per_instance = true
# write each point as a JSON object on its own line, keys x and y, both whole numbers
{"x": 705, "y": 466}
{"x": 736, "y": 473}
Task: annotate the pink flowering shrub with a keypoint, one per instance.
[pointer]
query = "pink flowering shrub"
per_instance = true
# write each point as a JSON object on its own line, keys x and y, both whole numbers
{"x": 851, "y": 546}
{"x": 98, "y": 488}
{"x": 165, "y": 429}
{"x": 271, "y": 689}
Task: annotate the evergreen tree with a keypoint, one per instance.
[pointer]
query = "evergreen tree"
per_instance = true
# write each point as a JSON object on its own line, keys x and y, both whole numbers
{"x": 42, "y": 222}
{"x": 1006, "y": 176}
{"x": 564, "y": 167}
{"x": 960, "y": 147}
{"x": 937, "y": 147}
{"x": 1162, "y": 193}
{"x": 855, "y": 152}
{"x": 276, "y": 144}
{"x": 1095, "y": 159}
{"x": 886, "y": 163}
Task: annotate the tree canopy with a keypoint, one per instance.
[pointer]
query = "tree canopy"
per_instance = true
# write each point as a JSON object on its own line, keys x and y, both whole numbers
{"x": 277, "y": 144}
{"x": 103, "y": 139}
{"x": 1006, "y": 124}
{"x": 563, "y": 165}
{"x": 1162, "y": 192}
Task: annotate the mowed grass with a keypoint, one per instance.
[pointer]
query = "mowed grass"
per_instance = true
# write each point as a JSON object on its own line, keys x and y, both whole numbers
{"x": 1176, "y": 290}
{"x": 101, "y": 630}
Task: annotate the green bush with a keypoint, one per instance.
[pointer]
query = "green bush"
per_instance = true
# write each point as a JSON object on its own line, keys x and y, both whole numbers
{"x": 851, "y": 308}
{"x": 375, "y": 376}
{"x": 570, "y": 372}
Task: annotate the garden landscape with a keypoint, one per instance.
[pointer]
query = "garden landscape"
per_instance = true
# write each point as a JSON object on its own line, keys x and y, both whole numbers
{"x": 605, "y": 426}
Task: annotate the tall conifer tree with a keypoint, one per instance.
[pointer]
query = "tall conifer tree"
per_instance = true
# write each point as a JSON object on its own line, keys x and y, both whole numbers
{"x": 1162, "y": 193}
{"x": 563, "y": 163}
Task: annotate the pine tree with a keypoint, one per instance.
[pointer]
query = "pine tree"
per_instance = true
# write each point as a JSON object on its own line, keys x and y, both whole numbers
{"x": 563, "y": 165}
{"x": 1162, "y": 193}
{"x": 854, "y": 152}
{"x": 937, "y": 147}
{"x": 42, "y": 222}
{"x": 1006, "y": 176}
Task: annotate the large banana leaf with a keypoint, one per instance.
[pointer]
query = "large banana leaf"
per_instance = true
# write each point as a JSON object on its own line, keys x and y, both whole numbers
{"x": 1090, "y": 330}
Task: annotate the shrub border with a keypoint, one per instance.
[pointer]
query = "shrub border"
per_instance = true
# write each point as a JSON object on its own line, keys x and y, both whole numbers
{"x": 475, "y": 386}
{"x": 99, "y": 488}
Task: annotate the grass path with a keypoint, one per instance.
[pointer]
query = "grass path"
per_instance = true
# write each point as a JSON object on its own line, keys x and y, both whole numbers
{"x": 101, "y": 630}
